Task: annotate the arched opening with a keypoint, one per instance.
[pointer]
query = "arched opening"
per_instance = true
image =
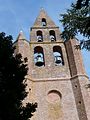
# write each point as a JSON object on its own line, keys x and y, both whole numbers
{"x": 44, "y": 23}
{"x": 52, "y": 35}
{"x": 57, "y": 52}
{"x": 39, "y": 56}
{"x": 39, "y": 36}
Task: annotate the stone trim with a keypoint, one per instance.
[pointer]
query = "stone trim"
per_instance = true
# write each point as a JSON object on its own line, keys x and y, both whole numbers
{"x": 47, "y": 79}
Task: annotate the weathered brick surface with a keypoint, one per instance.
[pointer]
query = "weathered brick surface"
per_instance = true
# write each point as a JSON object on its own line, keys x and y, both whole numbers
{"x": 74, "y": 58}
{"x": 59, "y": 90}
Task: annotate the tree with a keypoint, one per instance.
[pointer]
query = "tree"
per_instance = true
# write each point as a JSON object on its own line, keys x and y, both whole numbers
{"x": 82, "y": 3}
{"x": 77, "y": 20}
{"x": 12, "y": 83}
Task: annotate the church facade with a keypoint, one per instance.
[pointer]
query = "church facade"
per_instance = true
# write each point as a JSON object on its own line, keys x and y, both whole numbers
{"x": 56, "y": 78}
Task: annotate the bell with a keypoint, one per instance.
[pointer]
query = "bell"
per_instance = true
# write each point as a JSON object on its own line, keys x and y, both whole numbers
{"x": 52, "y": 38}
{"x": 58, "y": 60}
{"x": 39, "y": 61}
{"x": 39, "y": 39}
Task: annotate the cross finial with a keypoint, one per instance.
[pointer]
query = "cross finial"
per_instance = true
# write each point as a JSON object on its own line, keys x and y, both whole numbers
{"x": 42, "y": 8}
{"x": 21, "y": 35}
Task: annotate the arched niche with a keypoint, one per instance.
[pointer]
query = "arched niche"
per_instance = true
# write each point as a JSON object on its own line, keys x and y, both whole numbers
{"x": 58, "y": 57}
{"x": 44, "y": 23}
{"x": 39, "y": 36}
{"x": 39, "y": 56}
{"x": 54, "y": 101}
{"x": 52, "y": 35}
{"x": 54, "y": 96}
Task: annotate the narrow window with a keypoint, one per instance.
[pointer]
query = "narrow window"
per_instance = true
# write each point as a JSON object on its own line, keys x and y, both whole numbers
{"x": 44, "y": 22}
{"x": 39, "y": 36}
{"x": 52, "y": 35}
{"x": 57, "y": 52}
{"x": 39, "y": 56}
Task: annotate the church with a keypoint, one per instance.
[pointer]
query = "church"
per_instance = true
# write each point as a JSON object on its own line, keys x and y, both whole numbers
{"x": 56, "y": 78}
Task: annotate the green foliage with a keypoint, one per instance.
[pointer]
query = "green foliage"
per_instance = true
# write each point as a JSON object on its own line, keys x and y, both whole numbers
{"x": 82, "y": 3}
{"x": 12, "y": 83}
{"x": 77, "y": 20}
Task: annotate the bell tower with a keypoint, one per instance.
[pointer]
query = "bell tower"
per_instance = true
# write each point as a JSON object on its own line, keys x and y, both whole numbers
{"x": 47, "y": 50}
{"x": 56, "y": 75}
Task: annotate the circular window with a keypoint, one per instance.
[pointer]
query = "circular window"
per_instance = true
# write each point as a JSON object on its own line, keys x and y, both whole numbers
{"x": 54, "y": 96}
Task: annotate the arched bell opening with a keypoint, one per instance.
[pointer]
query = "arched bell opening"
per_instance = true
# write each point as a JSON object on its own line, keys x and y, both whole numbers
{"x": 39, "y": 56}
{"x": 44, "y": 23}
{"x": 39, "y": 36}
{"x": 57, "y": 52}
{"x": 52, "y": 35}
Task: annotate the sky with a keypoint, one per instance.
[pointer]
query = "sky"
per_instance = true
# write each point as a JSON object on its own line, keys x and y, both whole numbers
{"x": 17, "y": 15}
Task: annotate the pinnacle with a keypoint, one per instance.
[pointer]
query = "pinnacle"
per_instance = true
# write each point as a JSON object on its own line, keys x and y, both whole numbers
{"x": 21, "y": 36}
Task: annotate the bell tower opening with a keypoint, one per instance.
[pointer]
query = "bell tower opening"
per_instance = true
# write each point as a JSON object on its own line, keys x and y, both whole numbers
{"x": 58, "y": 58}
{"x": 39, "y": 56}
{"x": 44, "y": 23}
{"x": 39, "y": 36}
{"x": 52, "y": 35}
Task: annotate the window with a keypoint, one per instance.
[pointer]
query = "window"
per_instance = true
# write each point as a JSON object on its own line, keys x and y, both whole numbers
{"x": 39, "y": 56}
{"x": 52, "y": 35}
{"x": 44, "y": 22}
{"x": 39, "y": 36}
{"x": 58, "y": 55}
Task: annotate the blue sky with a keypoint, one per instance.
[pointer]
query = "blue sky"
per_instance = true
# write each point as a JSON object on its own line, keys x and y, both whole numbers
{"x": 17, "y": 15}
